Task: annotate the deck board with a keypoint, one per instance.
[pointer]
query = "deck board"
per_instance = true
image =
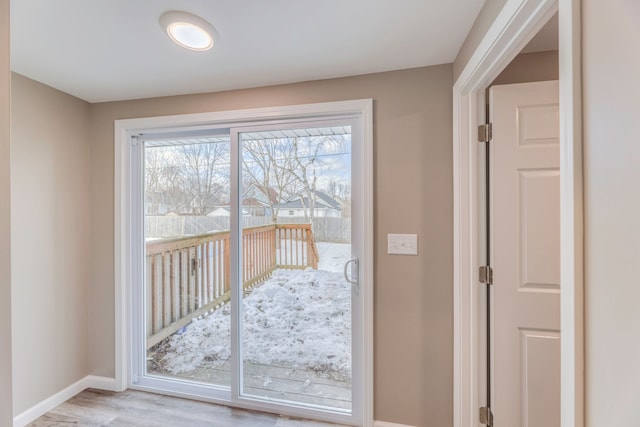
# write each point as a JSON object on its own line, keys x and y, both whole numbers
{"x": 288, "y": 383}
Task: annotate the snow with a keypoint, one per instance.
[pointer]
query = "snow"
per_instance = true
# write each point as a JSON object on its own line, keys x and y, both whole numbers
{"x": 297, "y": 318}
{"x": 333, "y": 256}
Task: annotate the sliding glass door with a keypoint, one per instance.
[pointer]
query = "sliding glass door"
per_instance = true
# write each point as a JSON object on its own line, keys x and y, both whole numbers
{"x": 247, "y": 285}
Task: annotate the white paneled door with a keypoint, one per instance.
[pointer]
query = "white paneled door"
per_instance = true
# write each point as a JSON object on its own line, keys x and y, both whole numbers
{"x": 525, "y": 255}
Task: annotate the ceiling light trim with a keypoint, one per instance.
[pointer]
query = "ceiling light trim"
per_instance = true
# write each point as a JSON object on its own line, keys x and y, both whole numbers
{"x": 188, "y": 30}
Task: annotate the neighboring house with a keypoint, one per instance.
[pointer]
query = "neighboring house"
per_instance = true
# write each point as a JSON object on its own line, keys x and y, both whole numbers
{"x": 207, "y": 203}
{"x": 255, "y": 203}
{"x": 226, "y": 211}
{"x": 256, "y": 207}
{"x": 221, "y": 211}
{"x": 258, "y": 200}
{"x": 325, "y": 206}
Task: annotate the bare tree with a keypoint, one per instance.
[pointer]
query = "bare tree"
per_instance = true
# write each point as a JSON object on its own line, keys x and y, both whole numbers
{"x": 308, "y": 163}
{"x": 202, "y": 178}
{"x": 193, "y": 178}
{"x": 341, "y": 192}
{"x": 188, "y": 178}
{"x": 153, "y": 180}
{"x": 267, "y": 164}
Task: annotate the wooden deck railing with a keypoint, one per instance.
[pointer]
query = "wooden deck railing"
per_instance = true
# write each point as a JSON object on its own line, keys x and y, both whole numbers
{"x": 190, "y": 276}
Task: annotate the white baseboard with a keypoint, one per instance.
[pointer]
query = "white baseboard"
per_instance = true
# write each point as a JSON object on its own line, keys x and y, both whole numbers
{"x": 38, "y": 410}
{"x": 101, "y": 383}
{"x": 386, "y": 424}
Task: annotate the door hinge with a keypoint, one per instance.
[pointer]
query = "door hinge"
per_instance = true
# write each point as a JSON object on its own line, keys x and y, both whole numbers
{"x": 486, "y": 275}
{"x": 484, "y": 133}
{"x": 486, "y": 416}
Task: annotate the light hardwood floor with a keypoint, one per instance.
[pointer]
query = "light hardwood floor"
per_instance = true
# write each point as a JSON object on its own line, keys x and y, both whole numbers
{"x": 135, "y": 408}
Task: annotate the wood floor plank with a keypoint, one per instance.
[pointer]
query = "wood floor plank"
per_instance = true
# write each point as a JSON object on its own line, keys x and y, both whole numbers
{"x": 140, "y": 409}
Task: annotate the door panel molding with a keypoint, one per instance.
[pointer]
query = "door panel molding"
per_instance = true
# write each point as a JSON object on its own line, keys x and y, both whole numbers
{"x": 544, "y": 275}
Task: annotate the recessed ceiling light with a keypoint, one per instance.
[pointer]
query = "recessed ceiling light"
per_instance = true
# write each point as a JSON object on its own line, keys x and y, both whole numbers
{"x": 188, "y": 30}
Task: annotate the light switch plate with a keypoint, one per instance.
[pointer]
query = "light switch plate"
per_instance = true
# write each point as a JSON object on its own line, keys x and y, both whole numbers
{"x": 402, "y": 244}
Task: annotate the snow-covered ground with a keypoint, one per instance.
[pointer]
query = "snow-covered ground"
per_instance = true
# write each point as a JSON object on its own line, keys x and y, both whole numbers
{"x": 333, "y": 256}
{"x": 299, "y": 318}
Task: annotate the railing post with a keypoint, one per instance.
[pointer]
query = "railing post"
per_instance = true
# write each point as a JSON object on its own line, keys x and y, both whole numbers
{"x": 227, "y": 264}
{"x": 312, "y": 249}
{"x": 274, "y": 246}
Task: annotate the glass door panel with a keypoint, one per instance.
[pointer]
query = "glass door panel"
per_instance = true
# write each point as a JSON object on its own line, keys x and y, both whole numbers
{"x": 187, "y": 252}
{"x": 296, "y": 305}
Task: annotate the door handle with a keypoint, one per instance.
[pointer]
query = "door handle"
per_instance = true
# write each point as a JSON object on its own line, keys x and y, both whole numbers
{"x": 355, "y": 274}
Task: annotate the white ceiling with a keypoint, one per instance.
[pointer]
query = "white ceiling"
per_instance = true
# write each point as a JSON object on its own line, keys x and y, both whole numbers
{"x": 103, "y": 50}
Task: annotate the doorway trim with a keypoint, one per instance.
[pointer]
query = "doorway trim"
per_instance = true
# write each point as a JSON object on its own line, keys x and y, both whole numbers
{"x": 124, "y": 267}
{"x": 516, "y": 24}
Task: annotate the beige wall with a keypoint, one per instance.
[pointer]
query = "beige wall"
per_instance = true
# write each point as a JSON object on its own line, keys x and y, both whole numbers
{"x": 413, "y": 170}
{"x": 530, "y": 67}
{"x": 6, "y": 407}
{"x": 611, "y": 66}
{"x": 483, "y": 22}
{"x": 50, "y": 240}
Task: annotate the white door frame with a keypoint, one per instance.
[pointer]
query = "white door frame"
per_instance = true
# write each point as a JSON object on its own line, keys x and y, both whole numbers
{"x": 516, "y": 24}
{"x": 123, "y": 226}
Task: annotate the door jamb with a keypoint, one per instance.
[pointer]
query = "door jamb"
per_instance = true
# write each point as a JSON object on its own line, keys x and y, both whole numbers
{"x": 518, "y": 21}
